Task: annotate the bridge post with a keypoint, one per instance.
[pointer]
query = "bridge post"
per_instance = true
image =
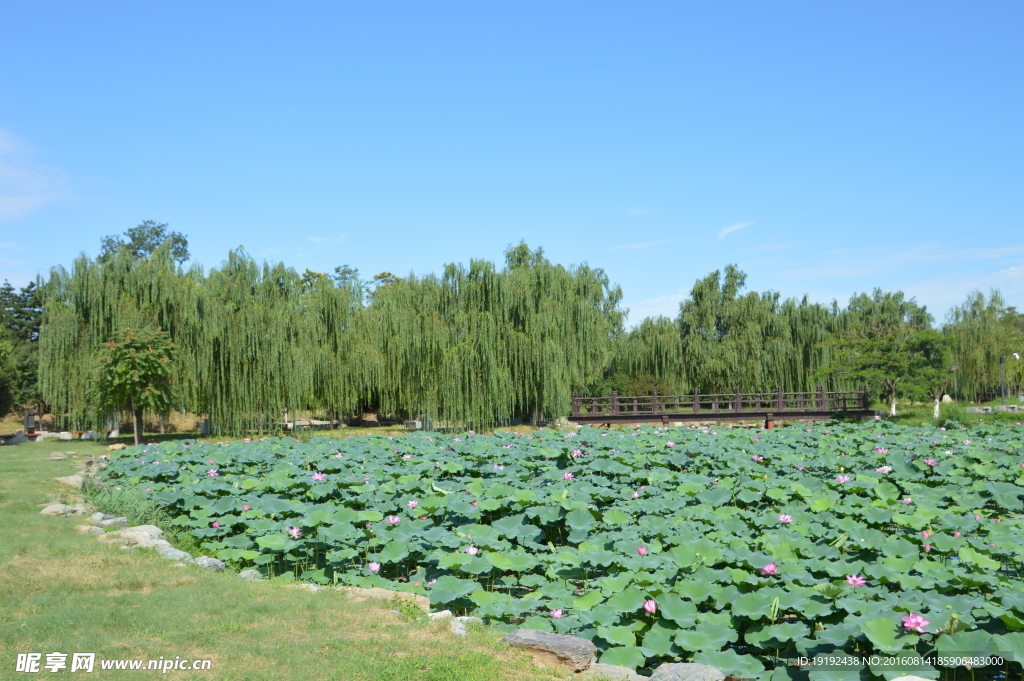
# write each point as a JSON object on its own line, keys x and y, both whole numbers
{"x": 736, "y": 401}
{"x": 696, "y": 401}
{"x": 654, "y": 403}
{"x": 821, "y": 398}
{"x": 575, "y": 403}
{"x": 778, "y": 399}
{"x": 615, "y": 403}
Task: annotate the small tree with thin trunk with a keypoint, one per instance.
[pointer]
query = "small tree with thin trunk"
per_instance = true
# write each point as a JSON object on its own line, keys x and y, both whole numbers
{"x": 134, "y": 373}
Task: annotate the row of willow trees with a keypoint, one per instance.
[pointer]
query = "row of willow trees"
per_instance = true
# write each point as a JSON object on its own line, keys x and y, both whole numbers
{"x": 475, "y": 345}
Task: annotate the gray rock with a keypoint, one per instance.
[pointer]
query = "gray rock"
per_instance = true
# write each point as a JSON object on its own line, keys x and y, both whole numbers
{"x": 554, "y": 649}
{"x": 687, "y": 671}
{"x": 57, "y": 509}
{"x": 113, "y": 522}
{"x": 212, "y": 564}
{"x": 440, "y": 614}
{"x": 56, "y": 456}
{"x": 459, "y": 624}
{"x": 610, "y": 672}
{"x": 100, "y": 516}
{"x": 83, "y": 509}
{"x": 71, "y": 481}
{"x": 152, "y": 530}
{"x": 171, "y": 553}
{"x": 89, "y": 529}
{"x": 250, "y": 574}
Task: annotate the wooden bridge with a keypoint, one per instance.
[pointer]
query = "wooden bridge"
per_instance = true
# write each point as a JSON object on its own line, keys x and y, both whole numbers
{"x": 735, "y": 406}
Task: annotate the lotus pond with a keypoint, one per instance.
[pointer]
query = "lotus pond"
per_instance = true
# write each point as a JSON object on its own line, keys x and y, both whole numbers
{"x": 739, "y": 548}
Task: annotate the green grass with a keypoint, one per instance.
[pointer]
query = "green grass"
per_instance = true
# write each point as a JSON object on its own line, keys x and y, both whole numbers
{"x": 62, "y": 591}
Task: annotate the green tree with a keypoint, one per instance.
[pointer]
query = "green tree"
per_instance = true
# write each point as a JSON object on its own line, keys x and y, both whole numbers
{"x": 982, "y": 330}
{"x": 144, "y": 240}
{"x": 880, "y": 345}
{"x": 20, "y": 320}
{"x": 134, "y": 373}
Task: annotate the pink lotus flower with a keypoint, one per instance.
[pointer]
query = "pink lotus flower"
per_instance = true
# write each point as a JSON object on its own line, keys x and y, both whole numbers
{"x": 650, "y": 606}
{"x": 977, "y": 517}
{"x": 319, "y": 477}
{"x": 412, "y": 504}
{"x": 800, "y": 468}
{"x": 907, "y": 500}
{"x": 855, "y": 580}
{"x": 757, "y": 458}
{"x": 925, "y": 534}
{"x": 568, "y": 476}
{"x": 406, "y": 457}
{"x": 576, "y": 453}
{"x": 294, "y": 532}
{"x": 999, "y": 520}
{"x": 373, "y": 567}
{"x": 642, "y": 550}
{"x": 339, "y": 455}
{"x": 756, "y": 439}
{"x": 556, "y": 614}
{"x": 245, "y": 507}
{"x": 209, "y": 461}
{"x": 927, "y": 548}
{"x": 914, "y": 622}
{"x": 424, "y": 517}
{"x": 472, "y": 550}
{"x": 246, "y": 439}
{"x": 967, "y": 442}
{"x": 770, "y": 569}
{"x": 670, "y": 444}
{"x": 474, "y": 503}
{"x": 216, "y": 524}
{"x": 785, "y": 518}
{"x": 931, "y": 462}
{"x": 393, "y": 519}
{"x": 456, "y": 439}
{"x": 877, "y": 417}
{"x": 957, "y": 533}
{"x": 842, "y": 478}
{"x": 883, "y": 470}
{"x": 212, "y": 473}
{"x": 498, "y": 467}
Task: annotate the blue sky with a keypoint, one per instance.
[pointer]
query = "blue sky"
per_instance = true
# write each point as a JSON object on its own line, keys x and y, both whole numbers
{"x": 826, "y": 148}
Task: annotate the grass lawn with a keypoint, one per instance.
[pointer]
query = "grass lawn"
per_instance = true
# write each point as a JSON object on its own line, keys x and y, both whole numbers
{"x": 61, "y": 591}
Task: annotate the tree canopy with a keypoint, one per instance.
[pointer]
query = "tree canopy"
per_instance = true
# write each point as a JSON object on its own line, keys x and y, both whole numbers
{"x": 480, "y": 344}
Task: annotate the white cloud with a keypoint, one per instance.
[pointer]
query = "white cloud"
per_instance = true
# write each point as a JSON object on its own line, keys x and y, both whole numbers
{"x": 726, "y": 231}
{"x": 667, "y": 305}
{"x": 25, "y": 186}
{"x": 772, "y": 247}
{"x": 646, "y": 244}
{"x": 868, "y": 262}
{"x": 317, "y": 239}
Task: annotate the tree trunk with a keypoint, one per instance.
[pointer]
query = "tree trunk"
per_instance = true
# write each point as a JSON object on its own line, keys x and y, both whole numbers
{"x": 935, "y": 411}
{"x": 160, "y": 421}
{"x": 892, "y": 403}
{"x": 137, "y": 423}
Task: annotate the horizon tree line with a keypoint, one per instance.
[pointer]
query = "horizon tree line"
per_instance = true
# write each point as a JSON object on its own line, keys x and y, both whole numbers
{"x": 475, "y": 344}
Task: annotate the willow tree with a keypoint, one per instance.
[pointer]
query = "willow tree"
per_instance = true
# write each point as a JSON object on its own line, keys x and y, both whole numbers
{"x": 481, "y": 345}
{"x": 730, "y": 340}
{"x": 84, "y": 308}
{"x": 981, "y": 331}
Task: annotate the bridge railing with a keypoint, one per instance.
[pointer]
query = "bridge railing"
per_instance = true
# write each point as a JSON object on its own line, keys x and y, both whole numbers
{"x": 721, "y": 403}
